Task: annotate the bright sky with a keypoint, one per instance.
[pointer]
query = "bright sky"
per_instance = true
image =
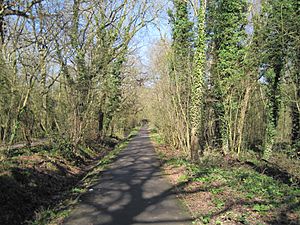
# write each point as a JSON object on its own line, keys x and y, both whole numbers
{"x": 151, "y": 34}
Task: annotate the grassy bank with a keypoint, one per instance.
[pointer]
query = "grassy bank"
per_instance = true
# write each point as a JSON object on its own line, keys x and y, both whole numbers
{"x": 225, "y": 191}
{"x": 40, "y": 185}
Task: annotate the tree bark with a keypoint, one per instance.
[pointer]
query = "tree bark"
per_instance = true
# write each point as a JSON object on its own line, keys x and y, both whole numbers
{"x": 100, "y": 123}
{"x": 295, "y": 113}
{"x": 241, "y": 121}
{"x": 195, "y": 145}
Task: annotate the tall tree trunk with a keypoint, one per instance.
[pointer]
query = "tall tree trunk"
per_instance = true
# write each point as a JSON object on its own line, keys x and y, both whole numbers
{"x": 241, "y": 121}
{"x": 100, "y": 124}
{"x": 273, "y": 107}
{"x": 295, "y": 137}
{"x": 295, "y": 112}
{"x": 275, "y": 94}
{"x": 1, "y": 22}
{"x": 181, "y": 71}
{"x": 197, "y": 86}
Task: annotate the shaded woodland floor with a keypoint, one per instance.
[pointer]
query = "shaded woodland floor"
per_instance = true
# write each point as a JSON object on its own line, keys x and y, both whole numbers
{"x": 228, "y": 191}
{"x": 35, "y": 180}
{"x": 39, "y": 185}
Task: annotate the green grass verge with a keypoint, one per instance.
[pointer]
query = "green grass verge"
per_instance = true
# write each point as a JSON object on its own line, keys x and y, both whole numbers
{"x": 255, "y": 192}
{"x": 156, "y": 137}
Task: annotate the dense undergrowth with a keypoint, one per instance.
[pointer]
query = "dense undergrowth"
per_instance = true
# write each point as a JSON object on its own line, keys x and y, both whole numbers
{"x": 220, "y": 190}
{"x": 39, "y": 185}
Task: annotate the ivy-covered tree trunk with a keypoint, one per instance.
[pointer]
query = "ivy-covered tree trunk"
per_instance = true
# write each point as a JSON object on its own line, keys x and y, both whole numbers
{"x": 273, "y": 107}
{"x": 82, "y": 83}
{"x": 229, "y": 36}
{"x": 273, "y": 38}
{"x": 197, "y": 85}
{"x": 181, "y": 70}
{"x": 295, "y": 137}
{"x": 113, "y": 92}
{"x": 294, "y": 23}
{"x": 295, "y": 110}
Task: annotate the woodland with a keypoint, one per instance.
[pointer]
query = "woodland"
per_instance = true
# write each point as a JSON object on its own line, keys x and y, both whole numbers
{"x": 221, "y": 87}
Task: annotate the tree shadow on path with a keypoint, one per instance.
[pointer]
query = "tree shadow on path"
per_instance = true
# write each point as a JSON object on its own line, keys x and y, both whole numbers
{"x": 132, "y": 191}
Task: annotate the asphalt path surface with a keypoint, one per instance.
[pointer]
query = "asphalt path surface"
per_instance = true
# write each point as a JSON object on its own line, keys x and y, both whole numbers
{"x": 132, "y": 191}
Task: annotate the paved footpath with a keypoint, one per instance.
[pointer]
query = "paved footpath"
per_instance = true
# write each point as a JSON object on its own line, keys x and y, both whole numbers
{"x": 132, "y": 191}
